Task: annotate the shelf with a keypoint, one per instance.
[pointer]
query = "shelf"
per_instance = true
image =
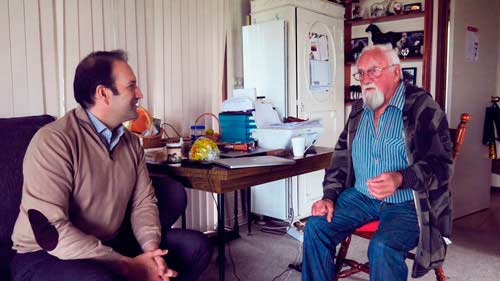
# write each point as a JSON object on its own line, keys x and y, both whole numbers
{"x": 355, "y": 22}
{"x": 400, "y": 58}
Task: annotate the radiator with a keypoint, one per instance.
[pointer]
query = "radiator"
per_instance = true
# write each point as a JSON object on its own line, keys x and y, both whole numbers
{"x": 201, "y": 210}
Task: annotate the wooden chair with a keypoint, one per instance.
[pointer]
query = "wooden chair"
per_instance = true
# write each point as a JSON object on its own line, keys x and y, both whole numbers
{"x": 366, "y": 231}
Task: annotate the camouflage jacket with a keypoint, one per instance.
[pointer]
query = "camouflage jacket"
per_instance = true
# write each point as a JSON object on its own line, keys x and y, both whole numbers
{"x": 430, "y": 164}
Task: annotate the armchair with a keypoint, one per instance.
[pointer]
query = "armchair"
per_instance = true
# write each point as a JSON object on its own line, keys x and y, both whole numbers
{"x": 15, "y": 135}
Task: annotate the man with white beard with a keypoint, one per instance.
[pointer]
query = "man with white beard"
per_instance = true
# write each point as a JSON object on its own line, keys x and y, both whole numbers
{"x": 396, "y": 154}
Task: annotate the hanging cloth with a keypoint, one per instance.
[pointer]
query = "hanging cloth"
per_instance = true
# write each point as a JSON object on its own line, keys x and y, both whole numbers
{"x": 491, "y": 120}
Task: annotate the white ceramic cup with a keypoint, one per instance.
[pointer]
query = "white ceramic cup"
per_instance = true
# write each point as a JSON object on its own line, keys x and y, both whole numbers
{"x": 298, "y": 146}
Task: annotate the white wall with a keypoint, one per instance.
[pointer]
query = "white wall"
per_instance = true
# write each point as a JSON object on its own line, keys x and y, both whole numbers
{"x": 470, "y": 86}
{"x": 175, "y": 47}
{"x": 239, "y": 10}
{"x": 28, "y": 68}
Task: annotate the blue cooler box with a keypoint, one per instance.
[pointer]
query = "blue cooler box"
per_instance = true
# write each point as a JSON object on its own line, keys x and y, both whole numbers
{"x": 236, "y": 126}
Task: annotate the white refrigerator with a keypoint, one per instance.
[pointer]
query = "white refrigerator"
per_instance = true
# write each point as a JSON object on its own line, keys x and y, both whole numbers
{"x": 293, "y": 55}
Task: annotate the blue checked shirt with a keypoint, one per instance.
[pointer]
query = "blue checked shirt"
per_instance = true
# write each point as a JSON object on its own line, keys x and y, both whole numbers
{"x": 375, "y": 152}
{"x": 105, "y": 133}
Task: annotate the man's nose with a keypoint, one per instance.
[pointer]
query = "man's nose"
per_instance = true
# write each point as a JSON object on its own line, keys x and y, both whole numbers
{"x": 138, "y": 93}
{"x": 365, "y": 79}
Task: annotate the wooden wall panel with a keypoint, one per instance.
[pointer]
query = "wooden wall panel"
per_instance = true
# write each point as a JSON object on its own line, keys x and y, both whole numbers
{"x": 18, "y": 58}
{"x": 97, "y": 24}
{"x": 142, "y": 72}
{"x": 71, "y": 53}
{"x": 34, "y": 58}
{"x": 49, "y": 59}
{"x": 173, "y": 60}
{"x": 120, "y": 20}
{"x": 84, "y": 27}
{"x": 130, "y": 33}
{"x": 159, "y": 49}
{"x": 110, "y": 40}
{"x": 7, "y": 104}
{"x": 175, "y": 47}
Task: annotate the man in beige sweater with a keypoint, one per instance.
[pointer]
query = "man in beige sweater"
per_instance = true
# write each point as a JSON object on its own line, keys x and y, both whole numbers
{"x": 86, "y": 191}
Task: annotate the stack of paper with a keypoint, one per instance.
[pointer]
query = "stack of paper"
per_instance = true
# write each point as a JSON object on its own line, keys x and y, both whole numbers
{"x": 265, "y": 115}
{"x": 295, "y": 125}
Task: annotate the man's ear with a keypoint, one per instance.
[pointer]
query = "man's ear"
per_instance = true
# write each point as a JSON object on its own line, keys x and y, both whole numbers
{"x": 102, "y": 94}
{"x": 397, "y": 73}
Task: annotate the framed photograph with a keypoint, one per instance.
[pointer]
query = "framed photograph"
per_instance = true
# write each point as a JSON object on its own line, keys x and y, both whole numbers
{"x": 410, "y": 44}
{"x": 356, "y": 10}
{"x": 357, "y": 45}
{"x": 412, "y": 8}
{"x": 409, "y": 75}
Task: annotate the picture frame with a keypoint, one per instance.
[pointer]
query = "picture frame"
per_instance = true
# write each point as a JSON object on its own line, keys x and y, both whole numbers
{"x": 356, "y": 10}
{"x": 409, "y": 75}
{"x": 357, "y": 45}
{"x": 412, "y": 8}
{"x": 410, "y": 44}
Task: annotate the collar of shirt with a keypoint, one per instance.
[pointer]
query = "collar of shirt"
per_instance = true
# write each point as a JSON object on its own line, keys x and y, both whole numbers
{"x": 398, "y": 99}
{"x": 105, "y": 133}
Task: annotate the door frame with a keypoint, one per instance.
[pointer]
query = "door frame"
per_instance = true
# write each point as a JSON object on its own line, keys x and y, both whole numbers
{"x": 443, "y": 18}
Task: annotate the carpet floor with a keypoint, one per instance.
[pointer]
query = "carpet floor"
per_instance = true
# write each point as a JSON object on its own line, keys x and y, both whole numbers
{"x": 474, "y": 254}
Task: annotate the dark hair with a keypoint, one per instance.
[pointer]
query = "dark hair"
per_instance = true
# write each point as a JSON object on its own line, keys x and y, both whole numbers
{"x": 94, "y": 70}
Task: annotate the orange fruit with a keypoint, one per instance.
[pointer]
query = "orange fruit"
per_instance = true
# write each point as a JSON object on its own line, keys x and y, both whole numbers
{"x": 142, "y": 123}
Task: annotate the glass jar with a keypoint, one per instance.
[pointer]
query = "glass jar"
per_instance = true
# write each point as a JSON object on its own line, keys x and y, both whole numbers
{"x": 196, "y": 132}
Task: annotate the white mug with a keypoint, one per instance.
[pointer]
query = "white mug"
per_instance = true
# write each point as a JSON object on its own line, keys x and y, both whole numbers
{"x": 299, "y": 146}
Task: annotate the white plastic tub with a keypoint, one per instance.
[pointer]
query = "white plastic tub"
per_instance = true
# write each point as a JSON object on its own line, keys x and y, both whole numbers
{"x": 281, "y": 138}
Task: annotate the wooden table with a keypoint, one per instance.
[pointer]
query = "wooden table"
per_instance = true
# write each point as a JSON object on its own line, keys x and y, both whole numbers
{"x": 220, "y": 180}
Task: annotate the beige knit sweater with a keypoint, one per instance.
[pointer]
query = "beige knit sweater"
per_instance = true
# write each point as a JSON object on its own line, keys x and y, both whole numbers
{"x": 76, "y": 192}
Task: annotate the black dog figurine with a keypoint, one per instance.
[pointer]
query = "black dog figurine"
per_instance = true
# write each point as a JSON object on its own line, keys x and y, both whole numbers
{"x": 382, "y": 38}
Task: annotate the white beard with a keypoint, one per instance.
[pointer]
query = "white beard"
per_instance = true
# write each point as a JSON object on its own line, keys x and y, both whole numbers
{"x": 373, "y": 99}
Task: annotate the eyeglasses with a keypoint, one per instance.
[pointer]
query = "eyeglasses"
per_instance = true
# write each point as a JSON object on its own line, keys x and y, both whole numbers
{"x": 372, "y": 73}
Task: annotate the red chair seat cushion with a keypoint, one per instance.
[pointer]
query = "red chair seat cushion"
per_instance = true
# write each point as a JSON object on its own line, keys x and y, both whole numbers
{"x": 369, "y": 227}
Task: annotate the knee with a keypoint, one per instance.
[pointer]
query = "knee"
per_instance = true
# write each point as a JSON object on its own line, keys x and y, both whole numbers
{"x": 378, "y": 247}
{"x": 200, "y": 249}
{"x": 169, "y": 190}
{"x": 313, "y": 225}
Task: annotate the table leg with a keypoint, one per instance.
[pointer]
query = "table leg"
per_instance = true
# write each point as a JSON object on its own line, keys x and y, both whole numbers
{"x": 249, "y": 210}
{"x": 236, "y": 226}
{"x": 221, "y": 259}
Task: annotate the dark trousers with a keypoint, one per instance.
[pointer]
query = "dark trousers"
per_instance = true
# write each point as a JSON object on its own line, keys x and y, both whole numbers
{"x": 189, "y": 251}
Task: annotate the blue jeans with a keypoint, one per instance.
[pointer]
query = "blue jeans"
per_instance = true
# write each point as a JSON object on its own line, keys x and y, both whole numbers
{"x": 397, "y": 234}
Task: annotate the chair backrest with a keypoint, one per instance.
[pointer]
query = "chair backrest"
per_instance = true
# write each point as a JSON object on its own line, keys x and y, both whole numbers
{"x": 458, "y": 134}
{"x": 15, "y": 135}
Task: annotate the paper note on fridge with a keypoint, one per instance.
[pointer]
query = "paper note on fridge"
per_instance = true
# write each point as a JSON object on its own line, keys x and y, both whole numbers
{"x": 265, "y": 115}
{"x": 320, "y": 74}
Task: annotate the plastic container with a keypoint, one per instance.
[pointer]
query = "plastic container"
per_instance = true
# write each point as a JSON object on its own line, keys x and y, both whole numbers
{"x": 281, "y": 138}
{"x": 196, "y": 132}
{"x": 237, "y": 127}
